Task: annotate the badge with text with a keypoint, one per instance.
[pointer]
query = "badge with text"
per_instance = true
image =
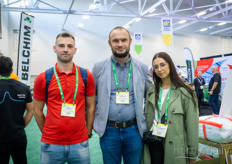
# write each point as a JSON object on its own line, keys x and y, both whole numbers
{"x": 160, "y": 130}
{"x": 68, "y": 110}
{"x": 122, "y": 97}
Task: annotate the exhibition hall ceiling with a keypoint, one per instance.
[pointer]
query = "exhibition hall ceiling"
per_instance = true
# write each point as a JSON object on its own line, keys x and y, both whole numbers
{"x": 208, "y": 17}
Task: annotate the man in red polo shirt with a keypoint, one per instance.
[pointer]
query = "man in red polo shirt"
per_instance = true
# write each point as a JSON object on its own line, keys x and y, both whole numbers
{"x": 65, "y": 131}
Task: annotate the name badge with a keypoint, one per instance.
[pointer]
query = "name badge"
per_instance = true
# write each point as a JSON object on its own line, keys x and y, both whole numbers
{"x": 122, "y": 97}
{"x": 68, "y": 110}
{"x": 201, "y": 87}
{"x": 160, "y": 130}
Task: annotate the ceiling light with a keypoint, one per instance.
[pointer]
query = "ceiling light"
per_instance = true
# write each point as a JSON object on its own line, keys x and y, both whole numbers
{"x": 127, "y": 26}
{"x": 222, "y": 23}
{"x": 201, "y": 13}
{"x": 137, "y": 19}
{"x": 204, "y": 29}
{"x": 211, "y": 27}
{"x": 5, "y": 2}
{"x": 182, "y": 21}
{"x": 92, "y": 6}
{"x": 80, "y": 25}
{"x": 152, "y": 10}
{"x": 213, "y": 9}
{"x": 85, "y": 17}
{"x": 229, "y": 1}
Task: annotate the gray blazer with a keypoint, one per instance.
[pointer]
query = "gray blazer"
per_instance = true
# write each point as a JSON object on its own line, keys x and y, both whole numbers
{"x": 102, "y": 76}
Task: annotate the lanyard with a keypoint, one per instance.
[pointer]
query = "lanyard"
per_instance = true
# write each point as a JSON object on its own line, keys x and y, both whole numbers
{"x": 200, "y": 80}
{"x": 61, "y": 91}
{"x": 5, "y": 77}
{"x": 159, "y": 103}
{"x": 116, "y": 79}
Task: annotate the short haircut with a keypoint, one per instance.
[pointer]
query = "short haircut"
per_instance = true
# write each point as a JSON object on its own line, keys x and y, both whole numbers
{"x": 119, "y": 28}
{"x": 65, "y": 35}
{"x": 5, "y": 66}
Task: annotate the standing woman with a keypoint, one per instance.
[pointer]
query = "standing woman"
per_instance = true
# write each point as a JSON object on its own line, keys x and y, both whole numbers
{"x": 173, "y": 105}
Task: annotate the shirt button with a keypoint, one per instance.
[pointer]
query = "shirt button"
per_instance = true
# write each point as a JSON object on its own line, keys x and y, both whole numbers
{"x": 170, "y": 142}
{"x": 170, "y": 122}
{"x": 67, "y": 83}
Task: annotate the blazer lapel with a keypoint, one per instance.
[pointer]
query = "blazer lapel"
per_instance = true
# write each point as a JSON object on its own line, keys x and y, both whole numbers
{"x": 135, "y": 77}
{"x": 108, "y": 76}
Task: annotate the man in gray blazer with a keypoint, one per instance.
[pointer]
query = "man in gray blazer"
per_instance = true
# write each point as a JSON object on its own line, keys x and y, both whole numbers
{"x": 121, "y": 84}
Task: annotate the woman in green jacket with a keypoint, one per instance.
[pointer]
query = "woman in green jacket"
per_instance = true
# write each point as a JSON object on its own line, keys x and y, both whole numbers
{"x": 173, "y": 102}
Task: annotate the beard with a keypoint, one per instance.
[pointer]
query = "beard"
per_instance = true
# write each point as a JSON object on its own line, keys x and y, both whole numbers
{"x": 121, "y": 55}
{"x": 64, "y": 60}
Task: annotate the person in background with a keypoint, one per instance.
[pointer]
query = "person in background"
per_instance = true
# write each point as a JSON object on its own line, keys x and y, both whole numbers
{"x": 181, "y": 77}
{"x": 171, "y": 111}
{"x": 12, "y": 75}
{"x": 121, "y": 85}
{"x": 65, "y": 129}
{"x": 15, "y": 99}
{"x": 214, "y": 90}
{"x": 199, "y": 87}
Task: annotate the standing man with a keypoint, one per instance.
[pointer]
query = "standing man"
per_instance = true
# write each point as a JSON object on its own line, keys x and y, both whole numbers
{"x": 121, "y": 84}
{"x": 15, "y": 98}
{"x": 199, "y": 87}
{"x": 214, "y": 90}
{"x": 65, "y": 130}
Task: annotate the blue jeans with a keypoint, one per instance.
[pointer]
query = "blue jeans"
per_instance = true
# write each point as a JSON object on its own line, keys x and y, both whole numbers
{"x": 121, "y": 142}
{"x": 213, "y": 101}
{"x": 59, "y": 154}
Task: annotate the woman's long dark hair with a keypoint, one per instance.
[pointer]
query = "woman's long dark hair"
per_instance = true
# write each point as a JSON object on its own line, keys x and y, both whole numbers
{"x": 175, "y": 79}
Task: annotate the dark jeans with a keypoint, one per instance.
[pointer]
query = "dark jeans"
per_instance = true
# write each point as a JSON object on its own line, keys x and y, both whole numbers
{"x": 15, "y": 149}
{"x": 199, "y": 98}
{"x": 213, "y": 101}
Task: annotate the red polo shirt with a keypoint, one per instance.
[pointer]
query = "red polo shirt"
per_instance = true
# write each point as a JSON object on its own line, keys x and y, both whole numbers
{"x": 59, "y": 129}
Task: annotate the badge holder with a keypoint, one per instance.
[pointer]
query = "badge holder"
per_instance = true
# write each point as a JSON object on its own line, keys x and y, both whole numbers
{"x": 68, "y": 110}
{"x": 122, "y": 97}
{"x": 160, "y": 130}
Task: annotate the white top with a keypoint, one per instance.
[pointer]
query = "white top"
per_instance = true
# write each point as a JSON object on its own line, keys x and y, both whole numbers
{"x": 164, "y": 94}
